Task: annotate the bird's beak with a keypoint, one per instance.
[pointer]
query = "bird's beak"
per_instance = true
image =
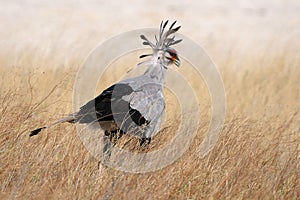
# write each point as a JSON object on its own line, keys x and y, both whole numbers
{"x": 176, "y": 61}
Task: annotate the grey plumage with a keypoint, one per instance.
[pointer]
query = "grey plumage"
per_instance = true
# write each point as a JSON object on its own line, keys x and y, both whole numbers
{"x": 134, "y": 105}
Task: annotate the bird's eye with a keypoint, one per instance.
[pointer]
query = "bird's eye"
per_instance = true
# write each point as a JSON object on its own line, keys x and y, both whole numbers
{"x": 172, "y": 53}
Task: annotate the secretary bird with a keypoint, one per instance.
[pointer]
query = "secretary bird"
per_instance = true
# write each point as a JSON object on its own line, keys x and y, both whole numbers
{"x": 134, "y": 105}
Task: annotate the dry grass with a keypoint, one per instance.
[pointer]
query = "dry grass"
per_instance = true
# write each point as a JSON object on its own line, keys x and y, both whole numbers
{"x": 255, "y": 45}
{"x": 256, "y": 157}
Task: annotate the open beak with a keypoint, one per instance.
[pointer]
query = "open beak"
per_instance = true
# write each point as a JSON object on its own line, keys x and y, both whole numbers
{"x": 176, "y": 61}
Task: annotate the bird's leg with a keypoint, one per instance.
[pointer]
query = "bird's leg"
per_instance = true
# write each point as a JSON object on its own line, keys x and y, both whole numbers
{"x": 145, "y": 141}
{"x": 110, "y": 139}
{"x": 115, "y": 136}
{"x": 120, "y": 134}
{"x": 107, "y": 142}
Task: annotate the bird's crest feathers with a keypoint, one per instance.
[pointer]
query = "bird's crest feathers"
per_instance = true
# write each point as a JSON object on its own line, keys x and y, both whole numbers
{"x": 164, "y": 39}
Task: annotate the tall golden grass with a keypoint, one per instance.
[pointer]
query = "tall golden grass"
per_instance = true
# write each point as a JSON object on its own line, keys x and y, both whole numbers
{"x": 257, "y": 155}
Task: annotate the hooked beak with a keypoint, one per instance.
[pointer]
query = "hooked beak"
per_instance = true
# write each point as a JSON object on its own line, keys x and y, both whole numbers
{"x": 176, "y": 61}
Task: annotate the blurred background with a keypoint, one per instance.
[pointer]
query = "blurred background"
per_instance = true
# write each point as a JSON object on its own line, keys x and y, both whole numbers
{"x": 64, "y": 32}
{"x": 256, "y": 47}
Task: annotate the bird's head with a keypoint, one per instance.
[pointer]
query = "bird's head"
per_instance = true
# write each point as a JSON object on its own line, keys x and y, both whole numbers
{"x": 171, "y": 55}
{"x": 162, "y": 51}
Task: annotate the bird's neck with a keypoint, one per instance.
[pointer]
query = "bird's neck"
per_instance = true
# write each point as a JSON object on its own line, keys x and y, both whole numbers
{"x": 156, "y": 72}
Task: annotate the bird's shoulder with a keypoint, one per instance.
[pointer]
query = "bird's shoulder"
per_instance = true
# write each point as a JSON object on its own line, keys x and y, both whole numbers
{"x": 112, "y": 93}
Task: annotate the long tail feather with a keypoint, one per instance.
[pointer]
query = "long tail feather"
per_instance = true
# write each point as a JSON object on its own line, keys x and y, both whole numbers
{"x": 36, "y": 131}
{"x": 71, "y": 119}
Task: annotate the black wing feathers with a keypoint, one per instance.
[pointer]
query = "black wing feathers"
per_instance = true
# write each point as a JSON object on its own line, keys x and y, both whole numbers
{"x": 99, "y": 109}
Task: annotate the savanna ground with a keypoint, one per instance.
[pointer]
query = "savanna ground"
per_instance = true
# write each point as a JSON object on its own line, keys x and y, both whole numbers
{"x": 257, "y": 155}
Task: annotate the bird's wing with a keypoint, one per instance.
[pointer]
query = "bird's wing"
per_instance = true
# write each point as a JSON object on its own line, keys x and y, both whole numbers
{"x": 150, "y": 104}
{"x": 148, "y": 100}
{"x": 99, "y": 109}
{"x": 111, "y": 105}
{"x": 130, "y": 104}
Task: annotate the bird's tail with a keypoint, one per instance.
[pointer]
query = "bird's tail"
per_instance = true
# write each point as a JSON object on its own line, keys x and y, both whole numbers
{"x": 70, "y": 118}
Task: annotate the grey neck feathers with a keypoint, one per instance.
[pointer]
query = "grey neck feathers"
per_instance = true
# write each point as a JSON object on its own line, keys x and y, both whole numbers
{"x": 157, "y": 67}
{"x": 156, "y": 72}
